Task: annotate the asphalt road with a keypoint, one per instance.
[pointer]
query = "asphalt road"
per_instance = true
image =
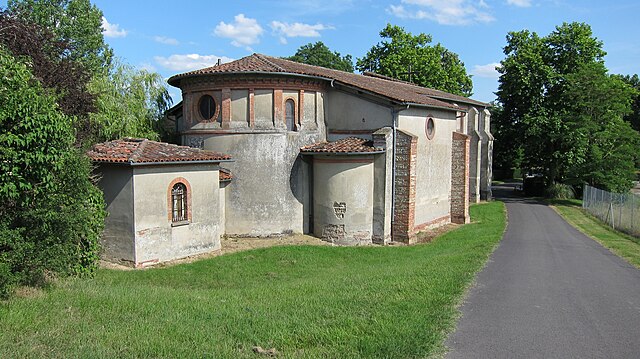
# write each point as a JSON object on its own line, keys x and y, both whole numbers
{"x": 548, "y": 291}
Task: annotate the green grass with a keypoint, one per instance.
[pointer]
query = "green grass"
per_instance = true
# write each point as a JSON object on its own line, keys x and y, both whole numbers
{"x": 305, "y": 301}
{"x": 623, "y": 245}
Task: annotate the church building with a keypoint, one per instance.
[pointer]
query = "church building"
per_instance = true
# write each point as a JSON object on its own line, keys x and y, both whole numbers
{"x": 350, "y": 158}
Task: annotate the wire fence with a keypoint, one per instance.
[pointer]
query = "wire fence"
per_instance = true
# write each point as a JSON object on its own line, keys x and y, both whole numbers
{"x": 619, "y": 210}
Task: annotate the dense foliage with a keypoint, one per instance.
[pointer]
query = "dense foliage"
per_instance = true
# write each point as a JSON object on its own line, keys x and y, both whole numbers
{"x": 76, "y": 22}
{"x": 318, "y": 54}
{"x": 51, "y": 214}
{"x": 561, "y": 112}
{"x": 60, "y": 93}
{"x": 634, "y": 117}
{"x": 411, "y": 58}
{"x": 129, "y": 103}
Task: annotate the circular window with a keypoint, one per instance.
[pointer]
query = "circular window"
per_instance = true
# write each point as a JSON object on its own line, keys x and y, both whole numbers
{"x": 207, "y": 107}
{"x": 430, "y": 128}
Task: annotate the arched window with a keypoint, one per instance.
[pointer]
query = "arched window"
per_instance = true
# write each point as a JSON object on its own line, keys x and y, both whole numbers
{"x": 290, "y": 114}
{"x": 179, "y": 203}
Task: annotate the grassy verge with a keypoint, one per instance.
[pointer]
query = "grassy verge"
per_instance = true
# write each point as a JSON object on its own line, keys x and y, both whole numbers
{"x": 619, "y": 243}
{"x": 304, "y": 301}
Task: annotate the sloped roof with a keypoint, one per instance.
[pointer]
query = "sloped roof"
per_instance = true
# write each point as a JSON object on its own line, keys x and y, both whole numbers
{"x": 349, "y": 145}
{"x": 141, "y": 151}
{"x": 224, "y": 175}
{"x": 400, "y": 91}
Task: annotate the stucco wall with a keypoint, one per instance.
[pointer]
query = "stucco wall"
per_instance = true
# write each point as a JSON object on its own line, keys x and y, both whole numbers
{"x": 271, "y": 181}
{"x": 348, "y": 112}
{"x": 117, "y": 239}
{"x": 475, "y": 149}
{"x": 343, "y": 189}
{"x": 156, "y": 239}
{"x": 433, "y": 165}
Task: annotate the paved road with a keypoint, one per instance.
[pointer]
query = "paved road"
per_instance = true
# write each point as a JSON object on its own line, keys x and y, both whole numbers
{"x": 549, "y": 292}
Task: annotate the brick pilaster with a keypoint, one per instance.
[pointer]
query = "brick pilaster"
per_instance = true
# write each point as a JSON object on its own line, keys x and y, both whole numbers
{"x": 252, "y": 107}
{"x": 460, "y": 178}
{"x": 405, "y": 187}
{"x": 278, "y": 113}
{"x": 226, "y": 108}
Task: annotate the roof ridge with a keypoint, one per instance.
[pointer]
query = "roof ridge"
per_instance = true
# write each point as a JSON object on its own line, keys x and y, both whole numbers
{"x": 268, "y": 62}
{"x": 138, "y": 151}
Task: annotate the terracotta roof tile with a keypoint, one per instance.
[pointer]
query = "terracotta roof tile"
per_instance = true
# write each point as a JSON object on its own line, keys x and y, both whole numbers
{"x": 393, "y": 89}
{"x": 225, "y": 175}
{"x": 140, "y": 150}
{"x": 346, "y": 145}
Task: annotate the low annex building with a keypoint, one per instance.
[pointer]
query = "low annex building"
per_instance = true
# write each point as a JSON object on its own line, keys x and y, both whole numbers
{"x": 164, "y": 201}
{"x": 350, "y": 158}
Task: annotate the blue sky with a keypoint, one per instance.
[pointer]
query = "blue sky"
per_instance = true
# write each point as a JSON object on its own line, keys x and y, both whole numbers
{"x": 171, "y": 37}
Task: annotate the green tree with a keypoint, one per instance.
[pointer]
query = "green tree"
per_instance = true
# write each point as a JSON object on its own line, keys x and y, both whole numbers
{"x": 129, "y": 104}
{"x": 51, "y": 215}
{"x": 318, "y": 54}
{"x": 634, "y": 117}
{"x": 77, "y": 22}
{"x": 563, "y": 131}
{"x": 411, "y": 58}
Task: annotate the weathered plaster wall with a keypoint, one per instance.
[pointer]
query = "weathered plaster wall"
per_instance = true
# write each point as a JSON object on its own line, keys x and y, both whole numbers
{"x": 156, "y": 239}
{"x": 486, "y": 155}
{"x": 349, "y": 115}
{"x": 433, "y": 166}
{"x": 382, "y": 186}
{"x": 117, "y": 239}
{"x": 240, "y": 108}
{"x": 343, "y": 198}
{"x": 473, "y": 127}
{"x": 270, "y": 185}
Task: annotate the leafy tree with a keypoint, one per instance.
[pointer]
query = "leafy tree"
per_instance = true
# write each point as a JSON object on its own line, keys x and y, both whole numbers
{"x": 77, "y": 22}
{"x": 318, "y": 54}
{"x": 634, "y": 117}
{"x": 52, "y": 215}
{"x": 563, "y": 131}
{"x": 49, "y": 63}
{"x": 408, "y": 57}
{"x": 130, "y": 103}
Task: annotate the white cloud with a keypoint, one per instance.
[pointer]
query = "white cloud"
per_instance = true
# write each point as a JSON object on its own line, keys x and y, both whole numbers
{"x": 189, "y": 62}
{"x": 486, "y": 71}
{"x": 166, "y": 40}
{"x": 112, "y": 30}
{"x": 519, "y": 3}
{"x": 285, "y": 30}
{"x": 243, "y": 31}
{"x": 444, "y": 12}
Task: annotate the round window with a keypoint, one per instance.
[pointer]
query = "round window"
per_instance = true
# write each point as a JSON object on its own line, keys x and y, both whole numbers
{"x": 430, "y": 128}
{"x": 207, "y": 107}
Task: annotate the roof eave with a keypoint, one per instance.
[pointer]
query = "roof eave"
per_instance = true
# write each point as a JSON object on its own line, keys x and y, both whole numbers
{"x": 136, "y": 164}
{"x": 343, "y": 153}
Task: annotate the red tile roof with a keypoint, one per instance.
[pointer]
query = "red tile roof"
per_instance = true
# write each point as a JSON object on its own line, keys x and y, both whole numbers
{"x": 349, "y": 145}
{"x": 393, "y": 89}
{"x": 225, "y": 175}
{"x": 140, "y": 150}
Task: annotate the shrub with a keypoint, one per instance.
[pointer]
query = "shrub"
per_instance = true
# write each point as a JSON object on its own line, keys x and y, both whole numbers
{"x": 51, "y": 215}
{"x": 560, "y": 191}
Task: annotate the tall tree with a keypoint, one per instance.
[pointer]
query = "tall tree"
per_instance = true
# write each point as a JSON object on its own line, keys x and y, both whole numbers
{"x": 130, "y": 103}
{"x": 634, "y": 117}
{"x": 411, "y": 58}
{"x": 77, "y": 22}
{"x": 51, "y": 215}
{"x": 563, "y": 131}
{"x": 318, "y": 54}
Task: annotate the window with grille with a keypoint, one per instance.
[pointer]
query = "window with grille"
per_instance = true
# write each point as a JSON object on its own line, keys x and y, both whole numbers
{"x": 179, "y": 203}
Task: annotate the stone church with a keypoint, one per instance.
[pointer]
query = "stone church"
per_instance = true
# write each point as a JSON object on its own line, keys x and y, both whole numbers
{"x": 280, "y": 147}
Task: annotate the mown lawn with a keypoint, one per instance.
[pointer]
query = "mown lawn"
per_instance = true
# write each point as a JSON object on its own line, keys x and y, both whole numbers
{"x": 304, "y": 301}
{"x": 623, "y": 245}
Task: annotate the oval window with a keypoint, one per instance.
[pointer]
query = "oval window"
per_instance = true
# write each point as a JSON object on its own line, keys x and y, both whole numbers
{"x": 207, "y": 107}
{"x": 430, "y": 128}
